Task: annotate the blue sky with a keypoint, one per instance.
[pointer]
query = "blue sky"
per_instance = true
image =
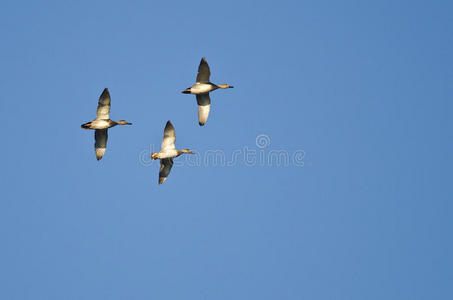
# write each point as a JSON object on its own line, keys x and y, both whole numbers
{"x": 363, "y": 90}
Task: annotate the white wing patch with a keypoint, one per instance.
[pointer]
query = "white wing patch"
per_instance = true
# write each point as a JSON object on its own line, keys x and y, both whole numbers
{"x": 204, "y": 106}
{"x": 168, "y": 142}
{"x": 103, "y": 111}
{"x": 99, "y": 153}
{"x": 203, "y": 114}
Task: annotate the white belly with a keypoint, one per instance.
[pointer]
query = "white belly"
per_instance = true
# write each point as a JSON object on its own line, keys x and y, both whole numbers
{"x": 201, "y": 88}
{"x": 100, "y": 124}
{"x": 168, "y": 154}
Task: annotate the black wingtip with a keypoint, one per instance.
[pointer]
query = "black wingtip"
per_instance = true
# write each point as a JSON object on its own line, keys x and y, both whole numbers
{"x": 105, "y": 92}
{"x": 201, "y": 124}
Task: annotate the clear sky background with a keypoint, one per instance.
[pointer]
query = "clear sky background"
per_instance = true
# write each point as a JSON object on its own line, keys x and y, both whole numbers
{"x": 364, "y": 89}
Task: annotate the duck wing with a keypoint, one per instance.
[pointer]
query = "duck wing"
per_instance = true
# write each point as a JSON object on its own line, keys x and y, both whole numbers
{"x": 204, "y": 106}
{"x": 165, "y": 168}
{"x": 203, "y": 71}
{"x": 103, "y": 111}
{"x": 168, "y": 142}
{"x": 100, "y": 138}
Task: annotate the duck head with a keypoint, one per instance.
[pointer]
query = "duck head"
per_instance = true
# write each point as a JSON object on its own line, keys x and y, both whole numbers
{"x": 225, "y": 86}
{"x": 187, "y": 151}
{"x": 123, "y": 122}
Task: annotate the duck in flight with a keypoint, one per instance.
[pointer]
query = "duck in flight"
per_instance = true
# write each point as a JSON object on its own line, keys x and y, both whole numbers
{"x": 201, "y": 89}
{"x": 168, "y": 152}
{"x": 102, "y": 123}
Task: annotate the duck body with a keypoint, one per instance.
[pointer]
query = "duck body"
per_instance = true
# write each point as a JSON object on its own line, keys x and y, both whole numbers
{"x": 201, "y": 88}
{"x": 169, "y": 153}
{"x": 99, "y": 124}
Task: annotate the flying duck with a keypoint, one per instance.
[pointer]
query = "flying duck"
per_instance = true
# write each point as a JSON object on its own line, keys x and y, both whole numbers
{"x": 168, "y": 152}
{"x": 102, "y": 123}
{"x": 201, "y": 89}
